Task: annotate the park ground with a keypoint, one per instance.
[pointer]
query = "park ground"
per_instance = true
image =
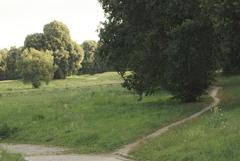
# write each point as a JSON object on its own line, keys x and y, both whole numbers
{"x": 94, "y": 114}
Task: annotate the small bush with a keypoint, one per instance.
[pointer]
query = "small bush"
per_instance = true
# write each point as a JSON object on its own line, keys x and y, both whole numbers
{"x": 6, "y": 131}
{"x": 38, "y": 117}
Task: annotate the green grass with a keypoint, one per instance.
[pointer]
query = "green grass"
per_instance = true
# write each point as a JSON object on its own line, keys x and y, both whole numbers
{"x": 4, "y": 156}
{"x": 89, "y": 114}
{"x": 213, "y": 137}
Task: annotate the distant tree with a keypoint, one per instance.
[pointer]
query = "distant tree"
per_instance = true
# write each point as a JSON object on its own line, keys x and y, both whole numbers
{"x": 36, "y": 41}
{"x": 89, "y": 48}
{"x": 13, "y": 56}
{"x": 3, "y": 65}
{"x": 68, "y": 55}
{"x": 191, "y": 59}
{"x": 76, "y": 56}
{"x": 36, "y": 66}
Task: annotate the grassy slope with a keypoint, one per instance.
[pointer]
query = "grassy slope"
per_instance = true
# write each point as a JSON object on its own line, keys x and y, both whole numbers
{"x": 213, "y": 137}
{"x": 4, "y": 156}
{"x": 77, "y": 114}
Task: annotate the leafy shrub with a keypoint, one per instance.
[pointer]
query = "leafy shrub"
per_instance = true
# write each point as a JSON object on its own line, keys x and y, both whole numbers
{"x": 6, "y": 131}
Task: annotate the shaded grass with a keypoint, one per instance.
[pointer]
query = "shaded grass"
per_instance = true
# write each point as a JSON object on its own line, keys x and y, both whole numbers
{"x": 77, "y": 114}
{"x": 212, "y": 137}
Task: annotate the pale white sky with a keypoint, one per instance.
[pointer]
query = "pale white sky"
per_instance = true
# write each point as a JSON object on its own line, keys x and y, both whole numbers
{"x": 19, "y": 18}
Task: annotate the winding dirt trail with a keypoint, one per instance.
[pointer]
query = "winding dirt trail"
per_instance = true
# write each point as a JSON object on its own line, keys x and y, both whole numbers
{"x": 43, "y": 153}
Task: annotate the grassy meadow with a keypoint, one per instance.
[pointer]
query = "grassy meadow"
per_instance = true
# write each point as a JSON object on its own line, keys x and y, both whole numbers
{"x": 212, "y": 137}
{"x": 88, "y": 114}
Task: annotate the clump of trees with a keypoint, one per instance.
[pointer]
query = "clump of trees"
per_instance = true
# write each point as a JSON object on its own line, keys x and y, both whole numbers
{"x": 36, "y": 67}
{"x": 8, "y": 63}
{"x": 68, "y": 55}
{"x": 171, "y": 44}
{"x": 47, "y": 55}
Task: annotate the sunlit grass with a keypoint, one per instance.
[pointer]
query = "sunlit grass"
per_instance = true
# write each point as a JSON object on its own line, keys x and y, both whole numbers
{"x": 90, "y": 113}
{"x": 213, "y": 137}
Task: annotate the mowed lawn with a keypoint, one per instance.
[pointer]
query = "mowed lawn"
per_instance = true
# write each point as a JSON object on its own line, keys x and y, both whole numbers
{"x": 89, "y": 113}
{"x": 213, "y": 137}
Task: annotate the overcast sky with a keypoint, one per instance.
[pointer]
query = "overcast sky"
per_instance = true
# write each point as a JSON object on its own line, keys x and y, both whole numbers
{"x": 20, "y": 18}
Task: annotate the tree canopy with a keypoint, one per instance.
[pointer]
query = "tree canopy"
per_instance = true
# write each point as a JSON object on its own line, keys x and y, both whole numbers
{"x": 138, "y": 37}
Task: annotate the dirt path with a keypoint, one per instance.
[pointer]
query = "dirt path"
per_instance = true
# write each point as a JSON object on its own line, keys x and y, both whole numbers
{"x": 43, "y": 153}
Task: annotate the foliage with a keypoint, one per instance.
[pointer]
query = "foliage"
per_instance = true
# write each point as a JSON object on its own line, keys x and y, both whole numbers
{"x": 88, "y": 64}
{"x": 191, "y": 55}
{"x": 89, "y": 48}
{"x": 68, "y": 55}
{"x": 57, "y": 36}
{"x": 8, "y": 63}
{"x": 3, "y": 66}
{"x": 36, "y": 66}
{"x": 36, "y": 41}
{"x": 61, "y": 62}
{"x": 137, "y": 35}
{"x": 228, "y": 14}
{"x": 13, "y": 56}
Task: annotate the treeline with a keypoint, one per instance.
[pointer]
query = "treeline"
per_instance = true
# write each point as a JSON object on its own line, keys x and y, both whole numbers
{"x": 49, "y": 55}
{"x": 177, "y": 45}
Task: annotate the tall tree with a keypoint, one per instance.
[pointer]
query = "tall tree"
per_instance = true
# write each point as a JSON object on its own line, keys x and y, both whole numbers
{"x": 137, "y": 36}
